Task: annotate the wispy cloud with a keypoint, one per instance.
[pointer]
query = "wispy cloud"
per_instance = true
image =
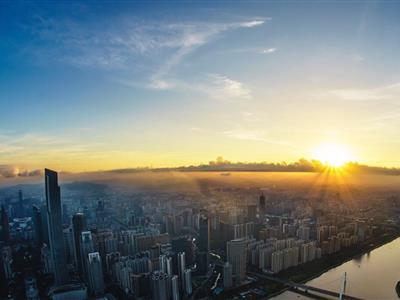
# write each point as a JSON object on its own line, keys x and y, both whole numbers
{"x": 225, "y": 88}
{"x": 387, "y": 92}
{"x": 268, "y": 50}
{"x": 254, "y": 50}
{"x": 194, "y": 35}
{"x": 125, "y": 43}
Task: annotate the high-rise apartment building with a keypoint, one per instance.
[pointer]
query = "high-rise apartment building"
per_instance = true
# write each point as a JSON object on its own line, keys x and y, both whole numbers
{"x": 159, "y": 285}
{"x": 87, "y": 247}
{"x": 237, "y": 257}
{"x": 204, "y": 244}
{"x": 95, "y": 274}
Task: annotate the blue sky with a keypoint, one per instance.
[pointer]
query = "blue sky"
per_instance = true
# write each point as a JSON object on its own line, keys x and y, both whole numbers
{"x": 88, "y": 86}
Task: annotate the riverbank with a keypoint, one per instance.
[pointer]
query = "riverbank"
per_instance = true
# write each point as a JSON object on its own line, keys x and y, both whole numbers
{"x": 311, "y": 270}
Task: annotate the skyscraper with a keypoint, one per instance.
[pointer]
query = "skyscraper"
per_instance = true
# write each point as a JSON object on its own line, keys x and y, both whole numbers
{"x": 159, "y": 285}
{"x": 53, "y": 203}
{"x": 169, "y": 266}
{"x": 20, "y": 207}
{"x": 4, "y": 226}
{"x": 204, "y": 244}
{"x": 86, "y": 248}
{"x": 78, "y": 226}
{"x": 237, "y": 257}
{"x": 163, "y": 263}
{"x": 69, "y": 245}
{"x": 175, "y": 287}
{"x": 227, "y": 275}
{"x": 262, "y": 203}
{"x": 95, "y": 274}
{"x": 188, "y": 281}
{"x": 181, "y": 268}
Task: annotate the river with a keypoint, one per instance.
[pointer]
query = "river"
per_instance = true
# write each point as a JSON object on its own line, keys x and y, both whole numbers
{"x": 370, "y": 276}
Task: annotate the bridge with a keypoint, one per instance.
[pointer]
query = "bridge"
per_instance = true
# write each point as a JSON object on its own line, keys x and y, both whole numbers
{"x": 308, "y": 288}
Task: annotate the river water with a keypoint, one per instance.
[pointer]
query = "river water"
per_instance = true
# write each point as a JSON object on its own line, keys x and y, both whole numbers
{"x": 371, "y": 276}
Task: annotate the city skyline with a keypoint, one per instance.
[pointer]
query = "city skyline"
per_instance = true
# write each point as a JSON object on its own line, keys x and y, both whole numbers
{"x": 89, "y": 87}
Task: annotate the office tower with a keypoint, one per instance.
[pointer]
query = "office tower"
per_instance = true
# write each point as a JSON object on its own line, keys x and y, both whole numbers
{"x": 31, "y": 291}
{"x": 53, "y": 203}
{"x": 204, "y": 244}
{"x": 181, "y": 268}
{"x": 175, "y": 287}
{"x": 46, "y": 259}
{"x": 69, "y": 246}
{"x": 65, "y": 217}
{"x": 261, "y": 203}
{"x": 227, "y": 275}
{"x": 37, "y": 225}
{"x": 95, "y": 274}
{"x": 237, "y": 257}
{"x": 6, "y": 259}
{"x": 20, "y": 207}
{"x": 4, "y": 226}
{"x": 86, "y": 248}
{"x": 163, "y": 263}
{"x": 169, "y": 266}
{"x": 78, "y": 226}
{"x": 188, "y": 281}
{"x": 159, "y": 285}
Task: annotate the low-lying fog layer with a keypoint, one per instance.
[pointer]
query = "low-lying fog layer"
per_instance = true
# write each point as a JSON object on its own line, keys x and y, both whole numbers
{"x": 195, "y": 180}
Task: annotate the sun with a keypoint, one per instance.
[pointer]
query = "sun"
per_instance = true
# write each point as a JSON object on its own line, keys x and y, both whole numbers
{"x": 332, "y": 154}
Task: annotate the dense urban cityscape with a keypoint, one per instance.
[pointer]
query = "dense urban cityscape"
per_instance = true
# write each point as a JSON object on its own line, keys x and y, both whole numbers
{"x": 89, "y": 241}
{"x": 199, "y": 149}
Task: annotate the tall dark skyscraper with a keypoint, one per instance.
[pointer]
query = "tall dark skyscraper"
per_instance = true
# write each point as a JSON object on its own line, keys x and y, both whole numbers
{"x": 78, "y": 225}
{"x": 4, "y": 226}
{"x": 204, "y": 243}
{"x": 54, "y": 222}
{"x": 20, "y": 206}
{"x": 262, "y": 203}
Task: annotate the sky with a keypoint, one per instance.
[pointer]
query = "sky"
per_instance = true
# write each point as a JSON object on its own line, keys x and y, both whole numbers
{"x": 102, "y": 85}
